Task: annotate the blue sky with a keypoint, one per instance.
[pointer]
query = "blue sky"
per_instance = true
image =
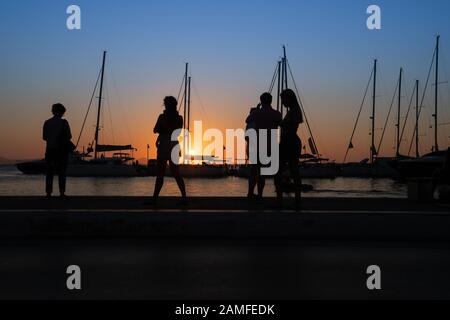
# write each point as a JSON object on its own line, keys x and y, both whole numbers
{"x": 232, "y": 47}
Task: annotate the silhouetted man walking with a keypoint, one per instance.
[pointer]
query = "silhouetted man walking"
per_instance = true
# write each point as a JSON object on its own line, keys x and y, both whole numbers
{"x": 56, "y": 133}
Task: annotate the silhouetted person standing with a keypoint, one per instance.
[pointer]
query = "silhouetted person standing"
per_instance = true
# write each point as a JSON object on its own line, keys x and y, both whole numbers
{"x": 167, "y": 123}
{"x": 56, "y": 133}
{"x": 253, "y": 174}
{"x": 290, "y": 145}
{"x": 264, "y": 117}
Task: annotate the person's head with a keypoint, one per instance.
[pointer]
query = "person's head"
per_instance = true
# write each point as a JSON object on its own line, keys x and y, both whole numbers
{"x": 289, "y": 99}
{"x": 58, "y": 110}
{"x": 171, "y": 104}
{"x": 266, "y": 99}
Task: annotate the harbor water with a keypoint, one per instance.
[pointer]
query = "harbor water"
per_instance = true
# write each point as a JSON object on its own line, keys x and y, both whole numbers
{"x": 14, "y": 183}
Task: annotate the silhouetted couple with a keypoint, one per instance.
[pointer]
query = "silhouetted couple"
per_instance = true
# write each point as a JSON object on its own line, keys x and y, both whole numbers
{"x": 264, "y": 117}
{"x": 56, "y": 133}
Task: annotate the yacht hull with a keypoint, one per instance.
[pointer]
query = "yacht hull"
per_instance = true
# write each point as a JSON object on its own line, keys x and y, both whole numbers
{"x": 86, "y": 169}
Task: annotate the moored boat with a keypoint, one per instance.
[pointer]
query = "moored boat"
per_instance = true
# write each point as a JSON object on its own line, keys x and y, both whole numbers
{"x": 423, "y": 167}
{"x": 107, "y": 161}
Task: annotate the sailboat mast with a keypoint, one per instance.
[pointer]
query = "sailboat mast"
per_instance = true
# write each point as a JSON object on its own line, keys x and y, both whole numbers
{"x": 282, "y": 85}
{"x": 184, "y": 112}
{"x": 189, "y": 111}
{"x": 97, "y": 127}
{"x": 373, "y": 151}
{"x": 285, "y": 68}
{"x": 279, "y": 85}
{"x": 436, "y": 91}
{"x": 284, "y": 82}
{"x": 417, "y": 119}
{"x": 399, "y": 110}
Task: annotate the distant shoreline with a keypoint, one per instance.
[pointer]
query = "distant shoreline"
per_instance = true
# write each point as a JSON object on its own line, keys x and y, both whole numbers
{"x": 8, "y": 162}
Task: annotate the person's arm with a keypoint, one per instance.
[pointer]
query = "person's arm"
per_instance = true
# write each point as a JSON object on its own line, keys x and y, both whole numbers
{"x": 251, "y": 116}
{"x": 301, "y": 117}
{"x": 180, "y": 122}
{"x": 157, "y": 128}
{"x": 278, "y": 119}
{"x": 67, "y": 129}
{"x": 45, "y": 132}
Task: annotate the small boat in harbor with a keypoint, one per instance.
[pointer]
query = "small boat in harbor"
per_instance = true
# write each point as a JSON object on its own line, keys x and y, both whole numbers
{"x": 114, "y": 166}
{"x": 423, "y": 167}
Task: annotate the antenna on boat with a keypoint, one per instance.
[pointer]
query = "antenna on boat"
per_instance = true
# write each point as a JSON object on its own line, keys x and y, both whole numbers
{"x": 97, "y": 127}
{"x": 399, "y": 110}
{"x": 373, "y": 151}
{"x": 436, "y": 91}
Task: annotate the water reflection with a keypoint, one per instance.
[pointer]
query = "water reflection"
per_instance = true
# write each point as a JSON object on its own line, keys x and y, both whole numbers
{"x": 12, "y": 182}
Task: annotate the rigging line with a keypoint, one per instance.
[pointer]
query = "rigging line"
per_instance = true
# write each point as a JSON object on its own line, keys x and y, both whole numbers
{"x": 441, "y": 98}
{"x": 423, "y": 97}
{"x": 302, "y": 107}
{"x": 89, "y": 108}
{"x": 303, "y": 110}
{"x": 199, "y": 99}
{"x": 123, "y": 110}
{"x": 109, "y": 111}
{"x": 387, "y": 118}
{"x": 102, "y": 125}
{"x": 407, "y": 115}
{"x": 181, "y": 88}
{"x": 180, "y": 103}
{"x": 414, "y": 131}
{"x": 274, "y": 78}
{"x": 359, "y": 115}
{"x": 385, "y": 102}
{"x": 445, "y": 68}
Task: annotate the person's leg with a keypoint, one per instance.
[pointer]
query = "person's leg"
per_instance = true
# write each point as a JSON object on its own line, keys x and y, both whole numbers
{"x": 49, "y": 174}
{"x": 261, "y": 183}
{"x": 62, "y": 180}
{"x": 62, "y": 171}
{"x": 160, "y": 172}
{"x": 278, "y": 179}
{"x": 49, "y": 179}
{"x": 175, "y": 170}
{"x": 252, "y": 180}
{"x": 295, "y": 174}
{"x": 279, "y": 182}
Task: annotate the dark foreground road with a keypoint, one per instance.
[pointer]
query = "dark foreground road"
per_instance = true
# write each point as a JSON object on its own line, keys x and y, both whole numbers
{"x": 216, "y": 269}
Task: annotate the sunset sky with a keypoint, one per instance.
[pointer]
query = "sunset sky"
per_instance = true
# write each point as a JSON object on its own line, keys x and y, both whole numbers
{"x": 232, "y": 47}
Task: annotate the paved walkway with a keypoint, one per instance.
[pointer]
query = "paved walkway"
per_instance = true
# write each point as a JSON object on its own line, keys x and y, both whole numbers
{"x": 215, "y": 269}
